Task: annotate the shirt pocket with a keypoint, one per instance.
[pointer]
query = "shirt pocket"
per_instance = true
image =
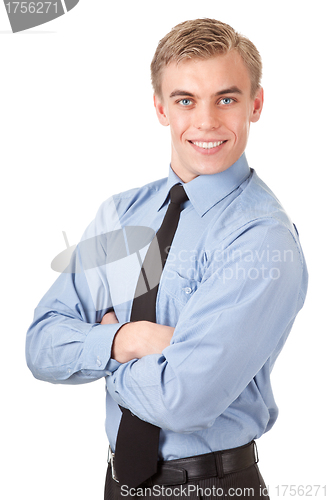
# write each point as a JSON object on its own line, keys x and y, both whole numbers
{"x": 173, "y": 294}
{"x": 176, "y": 287}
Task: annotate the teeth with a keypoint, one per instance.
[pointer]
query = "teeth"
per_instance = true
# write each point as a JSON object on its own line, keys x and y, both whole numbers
{"x": 208, "y": 145}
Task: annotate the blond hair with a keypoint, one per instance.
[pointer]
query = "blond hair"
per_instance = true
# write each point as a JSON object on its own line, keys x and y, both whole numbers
{"x": 204, "y": 38}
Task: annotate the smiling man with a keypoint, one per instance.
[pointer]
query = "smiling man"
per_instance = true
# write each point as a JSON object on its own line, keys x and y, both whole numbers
{"x": 185, "y": 330}
{"x": 209, "y": 105}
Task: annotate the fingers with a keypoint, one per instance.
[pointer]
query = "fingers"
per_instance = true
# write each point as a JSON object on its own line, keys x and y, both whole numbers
{"x": 109, "y": 319}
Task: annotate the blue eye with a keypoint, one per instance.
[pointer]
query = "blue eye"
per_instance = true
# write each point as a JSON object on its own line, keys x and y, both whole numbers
{"x": 185, "y": 102}
{"x": 226, "y": 100}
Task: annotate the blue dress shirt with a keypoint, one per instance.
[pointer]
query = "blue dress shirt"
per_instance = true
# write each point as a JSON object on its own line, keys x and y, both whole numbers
{"x": 234, "y": 280}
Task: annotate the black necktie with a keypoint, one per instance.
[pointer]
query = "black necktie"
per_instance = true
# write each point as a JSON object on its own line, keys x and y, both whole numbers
{"x": 136, "y": 451}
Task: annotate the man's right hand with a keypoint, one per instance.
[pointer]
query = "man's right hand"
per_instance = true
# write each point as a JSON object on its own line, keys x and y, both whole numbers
{"x": 140, "y": 338}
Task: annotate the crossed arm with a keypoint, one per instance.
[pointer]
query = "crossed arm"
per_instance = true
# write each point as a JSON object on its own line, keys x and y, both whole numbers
{"x": 227, "y": 331}
{"x": 137, "y": 339}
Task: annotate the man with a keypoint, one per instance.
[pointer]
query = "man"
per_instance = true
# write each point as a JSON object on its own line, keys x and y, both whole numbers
{"x": 233, "y": 280}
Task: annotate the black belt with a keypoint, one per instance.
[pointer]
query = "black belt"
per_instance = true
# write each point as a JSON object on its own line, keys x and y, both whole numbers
{"x": 216, "y": 464}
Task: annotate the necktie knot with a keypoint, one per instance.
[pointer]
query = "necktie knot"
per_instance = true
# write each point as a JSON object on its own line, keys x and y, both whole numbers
{"x": 178, "y": 194}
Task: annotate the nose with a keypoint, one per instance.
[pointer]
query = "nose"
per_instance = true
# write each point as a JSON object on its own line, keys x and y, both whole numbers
{"x": 206, "y": 118}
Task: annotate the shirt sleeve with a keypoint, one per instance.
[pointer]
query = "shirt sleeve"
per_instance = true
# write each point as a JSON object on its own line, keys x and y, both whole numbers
{"x": 66, "y": 342}
{"x": 235, "y": 322}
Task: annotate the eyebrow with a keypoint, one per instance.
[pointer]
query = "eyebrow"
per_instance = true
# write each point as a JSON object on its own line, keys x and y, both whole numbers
{"x": 230, "y": 90}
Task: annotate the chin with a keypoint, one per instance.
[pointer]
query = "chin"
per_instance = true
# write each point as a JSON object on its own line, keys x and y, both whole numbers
{"x": 212, "y": 169}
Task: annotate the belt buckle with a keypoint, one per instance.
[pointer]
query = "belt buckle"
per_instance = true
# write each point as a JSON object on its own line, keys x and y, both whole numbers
{"x": 256, "y": 453}
{"x": 110, "y": 460}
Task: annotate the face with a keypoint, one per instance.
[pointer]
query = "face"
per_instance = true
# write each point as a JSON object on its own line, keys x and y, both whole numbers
{"x": 209, "y": 108}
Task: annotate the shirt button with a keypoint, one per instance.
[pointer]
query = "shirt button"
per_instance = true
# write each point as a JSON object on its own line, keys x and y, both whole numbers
{"x": 188, "y": 290}
{"x": 98, "y": 362}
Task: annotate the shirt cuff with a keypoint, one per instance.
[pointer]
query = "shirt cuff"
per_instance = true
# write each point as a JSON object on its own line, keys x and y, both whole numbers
{"x": 111, "y": 388}
{"x": 98, "y": 347}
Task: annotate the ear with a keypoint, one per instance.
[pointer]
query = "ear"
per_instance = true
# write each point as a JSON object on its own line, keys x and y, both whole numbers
{"x": 160, "y": 111}
{"x": 257, "y": 105}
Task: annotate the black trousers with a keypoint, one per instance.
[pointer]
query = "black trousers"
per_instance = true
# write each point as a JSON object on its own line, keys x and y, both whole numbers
{"x": 247, "y": 483}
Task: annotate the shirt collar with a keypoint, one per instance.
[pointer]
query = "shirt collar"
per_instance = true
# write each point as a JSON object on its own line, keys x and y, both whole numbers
{"x": 206, "y": 190}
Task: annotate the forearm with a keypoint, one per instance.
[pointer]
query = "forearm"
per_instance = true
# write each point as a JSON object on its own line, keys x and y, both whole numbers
{"x": 66, "y": 343}
{"x": 67, "y": 350}
{"x": 61, "y": 349}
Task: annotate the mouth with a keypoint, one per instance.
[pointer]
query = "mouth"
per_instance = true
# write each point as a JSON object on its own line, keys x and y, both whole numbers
{"x": 207, "y": 145}
{"x": 210, "y": 147}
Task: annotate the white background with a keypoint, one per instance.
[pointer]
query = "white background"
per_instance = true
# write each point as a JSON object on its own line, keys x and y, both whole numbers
{"x": 77, "y": 125}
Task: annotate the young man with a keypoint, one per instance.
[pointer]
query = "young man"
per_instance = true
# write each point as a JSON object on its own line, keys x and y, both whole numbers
{"x": 228, "y": 285}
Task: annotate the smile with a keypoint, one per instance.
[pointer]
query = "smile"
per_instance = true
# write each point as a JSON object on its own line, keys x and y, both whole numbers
{"x": 207, "y": 145}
